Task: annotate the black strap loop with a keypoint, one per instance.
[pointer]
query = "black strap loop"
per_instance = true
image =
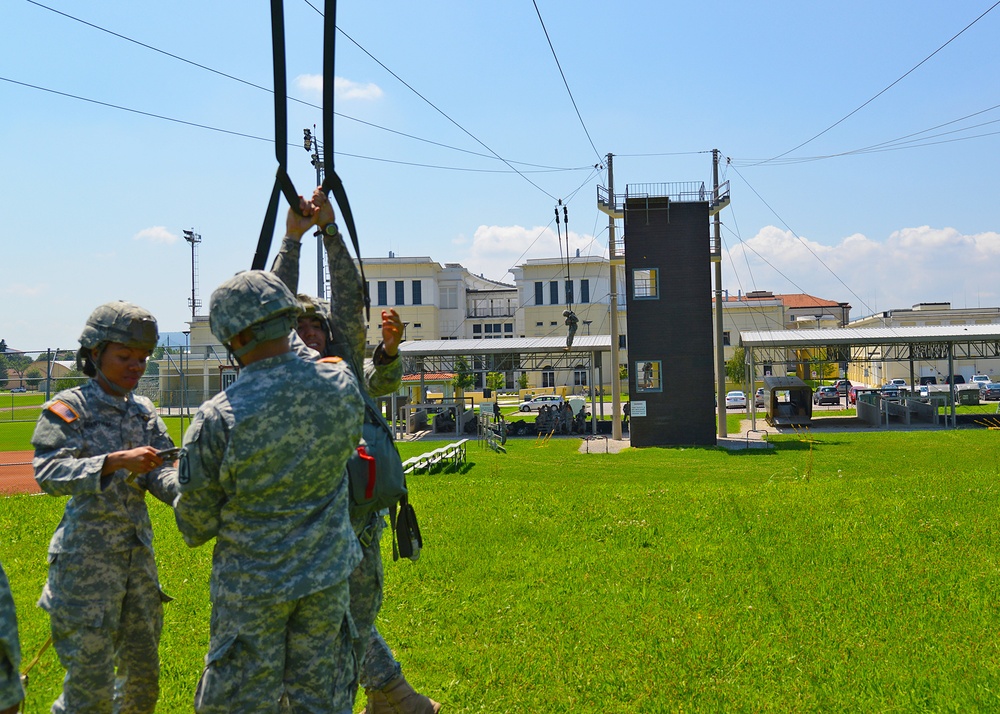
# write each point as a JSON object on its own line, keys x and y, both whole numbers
{"x": 282, "y": 182}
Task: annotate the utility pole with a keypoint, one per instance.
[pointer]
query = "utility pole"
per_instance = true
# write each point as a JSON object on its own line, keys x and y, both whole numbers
{"x": 720, "y": 351}
{"x": 311, "y": 143}
{"x": 616, "y": 384}
{"x": 194, "y": 239}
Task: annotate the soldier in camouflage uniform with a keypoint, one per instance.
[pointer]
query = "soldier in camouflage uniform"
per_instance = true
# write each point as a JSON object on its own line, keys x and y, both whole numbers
{"x": 338, "y": 329}
{"x": 11, "y": 691}
{"x": 262, "y": 471}
{"x": 97, "y": 443}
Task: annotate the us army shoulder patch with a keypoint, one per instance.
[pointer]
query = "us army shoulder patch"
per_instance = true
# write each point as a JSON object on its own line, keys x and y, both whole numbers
{"x": 332, "y": 360}
{"x": 64, "y": 411}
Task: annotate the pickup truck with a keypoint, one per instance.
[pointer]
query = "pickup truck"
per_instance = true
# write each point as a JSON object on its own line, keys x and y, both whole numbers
{"x": 980, "y": 379}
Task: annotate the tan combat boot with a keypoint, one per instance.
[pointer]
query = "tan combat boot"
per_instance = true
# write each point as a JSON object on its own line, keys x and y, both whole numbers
{"x": 398, "y": 697}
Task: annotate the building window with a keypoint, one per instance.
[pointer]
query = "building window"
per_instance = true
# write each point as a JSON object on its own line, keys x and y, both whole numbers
{"x": 554, "y": 292}
{"x": 400, "y": 300}
{"x": 621, "y": 342}
{"x": 477, "y": 329}
{"x": 383, "y": 293}
{"x": 539, "y": 293}
{"x": 418, "y": 293}
{"x": 580, "y": 376}
{"x": 417, "y": 325}
{"x": 508, "y": 327}
{"x": 569, "y": 292}
{"x": 645, "y": 283}
{"x": 553, "y": 323}
{"x": 584, "y": 291}
{"x": 538, "y": 324}
{"x": 449, "y": 297}
{"x": 648, "y": 376}
{"x": 548, "y": 376}
{"x": 725, "y": 338}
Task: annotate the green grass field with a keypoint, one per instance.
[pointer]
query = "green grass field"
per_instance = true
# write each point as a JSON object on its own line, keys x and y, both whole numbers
{"x": 844, "y": 572}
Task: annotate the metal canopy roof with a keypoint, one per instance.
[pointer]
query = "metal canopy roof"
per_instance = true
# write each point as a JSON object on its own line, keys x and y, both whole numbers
{"x": 522, "y": 346}
{"x": 886, "y": 343}
{"x": 871, "y": 336}
{"x": 530, "y": 354}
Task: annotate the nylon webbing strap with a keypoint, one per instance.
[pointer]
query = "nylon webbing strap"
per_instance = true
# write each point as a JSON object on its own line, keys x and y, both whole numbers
{"x": 282, "y": 182}
{"x": 331, "y": 181}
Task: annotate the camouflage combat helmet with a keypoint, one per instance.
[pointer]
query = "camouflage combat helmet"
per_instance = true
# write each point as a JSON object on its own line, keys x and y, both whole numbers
{"x": 121, "y": 322}
{"x": 252, "y": 299}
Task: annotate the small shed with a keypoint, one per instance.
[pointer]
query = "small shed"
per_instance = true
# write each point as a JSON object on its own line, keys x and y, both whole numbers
{"x": 789, "y": 401}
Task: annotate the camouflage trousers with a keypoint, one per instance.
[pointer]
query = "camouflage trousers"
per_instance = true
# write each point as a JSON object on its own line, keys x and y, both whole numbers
{"x": 378, "y": 666}
{"x": 106, "y": 612}
{"x": 298, "y": 653}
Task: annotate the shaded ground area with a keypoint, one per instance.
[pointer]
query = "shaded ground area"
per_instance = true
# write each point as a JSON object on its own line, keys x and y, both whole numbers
{"x": 16, "y": 474}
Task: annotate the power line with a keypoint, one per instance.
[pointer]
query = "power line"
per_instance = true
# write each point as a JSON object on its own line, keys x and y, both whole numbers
{"x": 267, "y": 139}
{"x": 562, "y": 74}
{"x": 434, "y": 106}
{"x": 271, "y": 91}
{"x": 886, "y": 89}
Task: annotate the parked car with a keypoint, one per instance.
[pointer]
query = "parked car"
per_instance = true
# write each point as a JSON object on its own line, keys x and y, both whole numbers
{"x": 891, "y": 391}
{"x": 542, "y": 400}
{"x": 18, "y": 389}
{"x": 990, "y": 392}
{"x": 928, "y": 380}
{"x": 958, "y": 379}
{"x": 852, "y": 395}
{"x": 736, "y": 400}
{"x": 843, "y": 386}
{"x": 826, "y": 395}
{"x": 760, "y": 398}
{"x": 898, "y": 382}
{"x": 979, "y": 380}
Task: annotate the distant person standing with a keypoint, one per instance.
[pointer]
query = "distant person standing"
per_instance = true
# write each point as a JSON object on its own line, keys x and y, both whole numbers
{"x": 262, "y": 472}
{"x": 11, "y": 691}
{"x": 98, "y": 444}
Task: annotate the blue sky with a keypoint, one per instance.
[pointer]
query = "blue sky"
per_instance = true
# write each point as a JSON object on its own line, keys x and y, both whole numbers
{"x": 96, "y": 198}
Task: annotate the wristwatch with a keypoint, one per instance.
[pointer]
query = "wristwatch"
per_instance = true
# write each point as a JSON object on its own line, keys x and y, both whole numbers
{"x": 331, "y": 229}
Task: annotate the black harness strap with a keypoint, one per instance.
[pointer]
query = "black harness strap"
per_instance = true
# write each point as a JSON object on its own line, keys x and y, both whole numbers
{"x": 282, "y": 182}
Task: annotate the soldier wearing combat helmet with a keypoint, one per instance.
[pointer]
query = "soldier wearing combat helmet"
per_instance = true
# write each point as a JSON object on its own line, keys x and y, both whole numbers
{"x": 255, "y": 474}
{"x": 337, "y": 328}
{"x": 100, "y": 445}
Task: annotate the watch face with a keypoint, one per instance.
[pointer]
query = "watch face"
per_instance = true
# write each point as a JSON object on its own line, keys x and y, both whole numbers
{"x": 330, "y": 229}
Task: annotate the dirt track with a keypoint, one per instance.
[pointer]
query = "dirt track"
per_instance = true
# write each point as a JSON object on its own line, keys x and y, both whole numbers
{"x": 16, "y": 474}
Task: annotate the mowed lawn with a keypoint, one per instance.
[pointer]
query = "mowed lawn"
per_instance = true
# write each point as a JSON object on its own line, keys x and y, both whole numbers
{"x": 841, "y": 572}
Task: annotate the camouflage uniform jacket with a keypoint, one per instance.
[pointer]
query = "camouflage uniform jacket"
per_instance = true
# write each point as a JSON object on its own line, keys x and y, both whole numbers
{"x": 11, "y": 691}
{"x": 255, "y": 475}
{"x": 382, "y": 374}
{"x": 74, "y": 434}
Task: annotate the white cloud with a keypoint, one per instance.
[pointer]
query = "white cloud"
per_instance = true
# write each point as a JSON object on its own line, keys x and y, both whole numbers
{"x": 156, "y": 234}
{"x": 912, "y": 265}
{"x": 342, "y": 88}
{"x": 496, "y": 249}
{"x": 22, "y": 290}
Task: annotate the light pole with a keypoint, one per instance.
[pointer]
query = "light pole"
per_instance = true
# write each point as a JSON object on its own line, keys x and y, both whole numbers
{"x": 194, "y": 239}
{"x": 586, "y": 323}
{"x": 187, "y": 343}
{"x": 312, "y": 144}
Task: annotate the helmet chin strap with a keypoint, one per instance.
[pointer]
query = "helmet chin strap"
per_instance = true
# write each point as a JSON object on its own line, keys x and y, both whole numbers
{"x": 108, "y": 383}
{"x": 101, "y": 377}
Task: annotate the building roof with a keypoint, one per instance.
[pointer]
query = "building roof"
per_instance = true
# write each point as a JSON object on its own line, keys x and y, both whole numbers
{"x": 789, "y": 300}
{"x": 430, "y": 377}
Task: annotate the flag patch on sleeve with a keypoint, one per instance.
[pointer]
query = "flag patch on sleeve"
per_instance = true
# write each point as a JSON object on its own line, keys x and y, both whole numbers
{"x": 64, "y": 411}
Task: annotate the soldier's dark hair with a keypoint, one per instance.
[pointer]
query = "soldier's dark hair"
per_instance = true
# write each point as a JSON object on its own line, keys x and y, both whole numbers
{"x": 85, "y": 362}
